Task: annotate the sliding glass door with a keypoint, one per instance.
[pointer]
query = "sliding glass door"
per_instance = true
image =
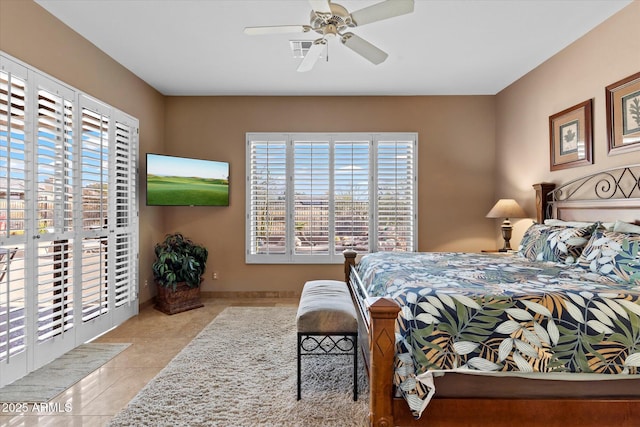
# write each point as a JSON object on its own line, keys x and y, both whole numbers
{"x": 68, "y": 218}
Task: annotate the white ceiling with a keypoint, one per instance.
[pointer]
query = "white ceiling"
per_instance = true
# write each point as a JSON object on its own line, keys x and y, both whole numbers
{"x": 446, "y": 47}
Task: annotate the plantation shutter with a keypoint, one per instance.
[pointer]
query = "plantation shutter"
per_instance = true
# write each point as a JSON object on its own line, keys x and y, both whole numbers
{"x": 395, "y": 187}
{"x": 267, "y": 204}
{"x": 126, "y": 212}
{"x": 14, "y": 154}
{"x": 13, "y": 214}
{"x": 311, "y": 201}
{"x": 352, "y": 195}
{"x": 311, "y": 196}
{"x": 54, "y": 213}
{"x": 94, "y": 176}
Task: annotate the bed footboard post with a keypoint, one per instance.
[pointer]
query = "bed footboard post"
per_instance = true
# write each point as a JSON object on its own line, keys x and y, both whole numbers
{"x": 349, "y": 261}
{"x": 382, "y": 344}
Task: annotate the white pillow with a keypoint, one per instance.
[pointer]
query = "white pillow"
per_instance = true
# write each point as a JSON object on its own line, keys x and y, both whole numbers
{"x": 608, "y": 226}
{"x": 560, "y": 223}
{"x": 625, "y": 227}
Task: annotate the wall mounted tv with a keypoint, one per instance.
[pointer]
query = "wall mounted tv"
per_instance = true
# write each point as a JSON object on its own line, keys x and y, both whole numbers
{"x": 181, "y": 181}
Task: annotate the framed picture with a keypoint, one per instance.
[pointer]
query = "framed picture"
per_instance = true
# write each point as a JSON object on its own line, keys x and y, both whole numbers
{"x": 570, "y": 136}
{"x": 623, "y": 115}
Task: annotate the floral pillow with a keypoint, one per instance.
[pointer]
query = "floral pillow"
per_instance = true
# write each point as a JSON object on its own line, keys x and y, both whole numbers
{"x": 531, "y": 243}
{"x": 555, "y": 243}
{"x": 614, "y": 255}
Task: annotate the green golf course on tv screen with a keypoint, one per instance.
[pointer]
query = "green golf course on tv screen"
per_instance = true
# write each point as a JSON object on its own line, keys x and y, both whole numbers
{"x": 182, "y": 181}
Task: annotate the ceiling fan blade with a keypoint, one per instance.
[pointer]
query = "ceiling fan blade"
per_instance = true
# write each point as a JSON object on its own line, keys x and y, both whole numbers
{"x": 320, "y": 6}
{"x": 312, "y": 55}
{"x": 280, "y": 29}
{"x": 379, "y": 11}
{"x": 364, "y": 48}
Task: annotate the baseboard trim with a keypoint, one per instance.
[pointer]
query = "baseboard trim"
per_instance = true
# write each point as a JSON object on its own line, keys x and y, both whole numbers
{"x": 250, "y": 294}
{"x": 148, "y": 303}
{"x": 234, "y": 294}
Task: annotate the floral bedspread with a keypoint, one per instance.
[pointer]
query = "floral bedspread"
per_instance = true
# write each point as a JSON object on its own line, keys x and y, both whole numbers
{"x": 498, "y": 313}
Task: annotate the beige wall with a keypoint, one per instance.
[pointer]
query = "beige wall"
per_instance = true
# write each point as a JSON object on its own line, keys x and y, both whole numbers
{"x": 456, "y": 164}
{"x": 30, "y": 34}
{"x": 580, "y": 72}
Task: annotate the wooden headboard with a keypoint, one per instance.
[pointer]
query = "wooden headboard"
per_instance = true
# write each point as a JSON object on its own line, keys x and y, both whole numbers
{"x": 609, "y": 195}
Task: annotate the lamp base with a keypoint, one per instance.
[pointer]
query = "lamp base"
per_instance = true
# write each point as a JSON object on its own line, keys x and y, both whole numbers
{"x": 506, "y": 235}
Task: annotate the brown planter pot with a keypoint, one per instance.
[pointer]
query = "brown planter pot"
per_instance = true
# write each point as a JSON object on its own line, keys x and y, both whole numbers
{"x": 182, "y": 299}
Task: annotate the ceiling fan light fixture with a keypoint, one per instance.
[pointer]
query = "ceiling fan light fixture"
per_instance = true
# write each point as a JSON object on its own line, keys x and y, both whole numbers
{"x": 330, "y": 31}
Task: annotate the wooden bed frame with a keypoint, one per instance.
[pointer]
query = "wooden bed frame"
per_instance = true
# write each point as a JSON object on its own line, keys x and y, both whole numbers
{"x": 468, "y": 400}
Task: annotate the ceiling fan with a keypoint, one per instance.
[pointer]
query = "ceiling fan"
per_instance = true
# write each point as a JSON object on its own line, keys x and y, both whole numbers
{"x": 331, "y": 20}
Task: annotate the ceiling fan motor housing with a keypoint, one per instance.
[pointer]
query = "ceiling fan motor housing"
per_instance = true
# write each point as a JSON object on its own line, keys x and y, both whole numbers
{"x": 325, "y": 24}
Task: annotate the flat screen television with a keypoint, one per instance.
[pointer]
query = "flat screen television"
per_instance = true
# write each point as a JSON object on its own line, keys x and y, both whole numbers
{"x": 183, "y": 181}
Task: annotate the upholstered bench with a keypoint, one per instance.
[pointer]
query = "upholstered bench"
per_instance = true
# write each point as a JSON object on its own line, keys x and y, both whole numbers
{"x": 327, "y": 324}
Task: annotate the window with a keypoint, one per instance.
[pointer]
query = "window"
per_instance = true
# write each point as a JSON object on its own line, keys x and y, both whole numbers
{"x": 311, "y": 196}
{"x": 68, "y": 218}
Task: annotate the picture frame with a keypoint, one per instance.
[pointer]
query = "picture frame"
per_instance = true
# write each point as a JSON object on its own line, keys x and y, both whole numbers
{"x": 623, "y": 115}
{"x": 571, "y": 137}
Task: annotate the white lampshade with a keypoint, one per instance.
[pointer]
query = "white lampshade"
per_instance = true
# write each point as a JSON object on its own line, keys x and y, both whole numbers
{"x": 506, "y": 208}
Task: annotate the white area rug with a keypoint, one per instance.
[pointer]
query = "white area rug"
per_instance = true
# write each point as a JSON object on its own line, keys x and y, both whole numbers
{"x": 241, "y": 371}
{"x": 52, "y": 379}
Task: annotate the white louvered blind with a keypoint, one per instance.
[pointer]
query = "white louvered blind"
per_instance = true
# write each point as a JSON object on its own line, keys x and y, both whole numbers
{"x": 267, "y": 204}
{"x": 94, "y": 175}
{"x": 125, "y": 264}
{"x": 13, "y": 215}
{"x": 311, "y": 185}
{"x": 54, "y": 186}
{"x": 325, "y": 193}
{"x": 13, "y": 168}
{"x": 352, "y": 195}
{"x": 396, "y": 195}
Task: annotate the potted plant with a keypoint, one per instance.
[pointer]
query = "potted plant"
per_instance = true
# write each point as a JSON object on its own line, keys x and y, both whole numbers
{"x": 177, "y": 272}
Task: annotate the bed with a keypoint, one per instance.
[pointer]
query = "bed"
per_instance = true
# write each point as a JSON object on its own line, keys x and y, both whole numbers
{"x": 549, "y": 336}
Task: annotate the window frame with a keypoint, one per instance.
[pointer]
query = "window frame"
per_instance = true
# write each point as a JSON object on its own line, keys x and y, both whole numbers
{"x": 374, "y": 140}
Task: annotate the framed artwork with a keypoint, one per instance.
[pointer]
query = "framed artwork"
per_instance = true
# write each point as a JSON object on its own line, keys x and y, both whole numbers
{"x": 570, "y": 137}
{"x": 623, "y": 115}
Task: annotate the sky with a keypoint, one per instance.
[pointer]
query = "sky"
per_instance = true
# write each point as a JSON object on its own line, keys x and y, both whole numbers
{"x": 181, "y": 166}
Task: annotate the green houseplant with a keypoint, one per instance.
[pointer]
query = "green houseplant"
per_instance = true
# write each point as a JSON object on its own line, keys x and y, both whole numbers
{"x": 177, "y": 271}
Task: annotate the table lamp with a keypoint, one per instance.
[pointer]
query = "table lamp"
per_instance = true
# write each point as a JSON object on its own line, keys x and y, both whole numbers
{"x": 506, "y": 208}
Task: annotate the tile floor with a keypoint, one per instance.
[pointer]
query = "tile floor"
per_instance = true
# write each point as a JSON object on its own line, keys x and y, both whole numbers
{"x": 156, "y": 338}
